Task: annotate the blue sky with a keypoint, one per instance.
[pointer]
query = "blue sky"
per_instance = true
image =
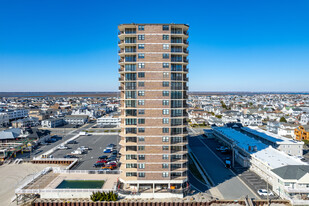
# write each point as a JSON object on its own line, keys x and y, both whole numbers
{"x": 71, "y": 45}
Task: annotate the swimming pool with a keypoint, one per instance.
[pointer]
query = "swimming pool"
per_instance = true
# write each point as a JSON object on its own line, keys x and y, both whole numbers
{"x": 81, "y": 184}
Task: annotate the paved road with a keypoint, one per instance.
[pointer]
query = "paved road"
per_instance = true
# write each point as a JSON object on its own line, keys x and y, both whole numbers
{"x": 197, "y": 184}
{"x": 229, "y": 185}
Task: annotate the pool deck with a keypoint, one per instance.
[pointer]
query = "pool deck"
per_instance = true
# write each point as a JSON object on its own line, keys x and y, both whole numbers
{"x": 110, "y": 180}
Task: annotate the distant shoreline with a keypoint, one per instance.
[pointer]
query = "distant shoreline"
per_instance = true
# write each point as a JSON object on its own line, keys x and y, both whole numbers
{"x": 111, "y": 94}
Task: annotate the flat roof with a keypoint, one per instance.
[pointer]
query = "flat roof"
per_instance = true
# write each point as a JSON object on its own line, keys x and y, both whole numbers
{"x": 270, "y": 136}
{"x": 267, "y": 154}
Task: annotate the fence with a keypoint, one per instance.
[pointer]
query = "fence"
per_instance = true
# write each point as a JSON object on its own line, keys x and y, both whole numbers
{"x": 38, "y": 191}
{"x": 40, "y": 174}
{"x": 86, "y": 171}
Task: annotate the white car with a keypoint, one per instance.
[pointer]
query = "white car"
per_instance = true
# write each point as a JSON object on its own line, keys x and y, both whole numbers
{"x": 77, "y": 152}
{"x": 62, "y": 147}
{"x": 83, "y": 148}
{"x": 263, "y": 192}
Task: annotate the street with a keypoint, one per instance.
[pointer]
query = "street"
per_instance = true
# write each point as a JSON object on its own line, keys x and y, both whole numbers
{"x": 229, "y": 185}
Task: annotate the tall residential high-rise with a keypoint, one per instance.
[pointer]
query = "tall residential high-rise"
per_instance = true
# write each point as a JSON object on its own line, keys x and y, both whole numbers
{"x": 153, "y": 87}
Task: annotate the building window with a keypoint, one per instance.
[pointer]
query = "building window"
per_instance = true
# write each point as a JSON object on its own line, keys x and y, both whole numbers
{"x": 141, "y": 84}
{"x": 141, "y": 65}
{"x": 141, "y": 111}
{"x": 141, "y": 102}
{"x": 141, "y": 121}
{"x": 165, "y": 56}
{"x": 141, "y": 157}
{"x": 141, "y": 166}
{"x": 165, "y": 102}
{"x": 165, "y": 27}
{"x": 141, "y": 37}
{"x": 141, "y": 93}
{"x": 165, "y": 93}
{"x": 165, "y": 156}
{"x": 131, "y": 174}
{"x": 165, "y": 139}
{"x": 141, "y": 46}
{"x": 165, "y": 130}
{"x": 141, "y": 139}
{"x": 165, "y": 111}
{"x": 131, "y": 165}
{"x": 141, "y": 130}
{"x": 165, "y": 174}
{"x": 165, "y": 120}
{"x": 141, "y": 55}
{"x": 165, "y": 75}
{"x": 165, "y": 84}
{"x": 141, "y": 74}
{"x": 166, "y": 46}
{"x": 165, "y": 37}
{"x": 164, "y": 165}
{"x": 141, "y": 148}
{"x": 141, "y": 174}
{"x": 165, "y": 65}
{"x": 141, "y": 27}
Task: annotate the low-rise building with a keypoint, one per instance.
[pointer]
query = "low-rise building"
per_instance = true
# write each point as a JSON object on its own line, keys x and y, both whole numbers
{"x": 52, "y": 123}
{"x": 4, "y": 120}
{"x": 76, "y": 119}
{"x": 26, "y": 122}
{"x": 304, "y": 119}
{"x": 287, "y": 145}
{"x": 302, "y": 132}
{"x": 108, "y": 121}
{"x": 17, "y": 113}
{"x": 287, "y": 130}
{"x": 269, "y": 164}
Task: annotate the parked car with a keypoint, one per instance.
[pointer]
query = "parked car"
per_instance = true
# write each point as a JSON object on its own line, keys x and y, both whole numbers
{"x": 107, "y": 151}
{"x": 221, "y": 148}
{"x": 69, "y": 156}
{"x": 103, "y": 157}
{"x": 115, "y": 152}
{"x": 111, "y": 145}
{"x": 98, "y": 165}
{"x": 101, "y": 161}
{"x": 77, "y": 152}
{"x": 62, "y": 147}
{"x": 110, "y": 167}
{"x": 263, "y": 192}
{"x": 72, "y": 142}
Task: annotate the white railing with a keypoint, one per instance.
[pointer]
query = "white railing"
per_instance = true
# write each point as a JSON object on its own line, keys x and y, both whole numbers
{"x": 38, "y": 191}
{"x": 86, "y": 171}
{"x": 43, "y": 172}
{"x": 300, "y": 202}
{"x": 297, "y": 189}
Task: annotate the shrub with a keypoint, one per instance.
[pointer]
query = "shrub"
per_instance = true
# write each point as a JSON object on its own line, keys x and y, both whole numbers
{"x": 104, "y": 196}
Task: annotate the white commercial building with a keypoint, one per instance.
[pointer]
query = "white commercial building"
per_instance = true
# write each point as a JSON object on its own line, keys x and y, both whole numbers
{"x": 4, "y": 119}
{"x": 108, "y": 121}
{"x": 266, "y": 161}
{"x": 287, "y": 145}
{"x": 52, "y": 123}
{"x": 17, "y": 113}
{"x": 76, "y": 119}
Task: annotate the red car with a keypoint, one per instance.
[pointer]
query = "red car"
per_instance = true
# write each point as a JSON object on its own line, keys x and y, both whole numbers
{"x": 101, "y": 161}
{"x": 112, "y": 164}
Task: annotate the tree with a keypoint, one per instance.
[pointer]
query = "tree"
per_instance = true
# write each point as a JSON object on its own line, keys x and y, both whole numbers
{"x": 282, "y": 119}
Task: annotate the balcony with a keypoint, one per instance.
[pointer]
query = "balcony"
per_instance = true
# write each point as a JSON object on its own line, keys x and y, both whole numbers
{"x": 185, "y": 88}
{"x": 186, "y": 70}
{"x": 186, "y": 79}
{"x": 120, "y": 88}
{"x": 186, "y": 42}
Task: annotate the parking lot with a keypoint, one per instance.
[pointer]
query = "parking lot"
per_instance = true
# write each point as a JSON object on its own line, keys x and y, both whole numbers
{"x": 96, "y": 145}
{"x": 251, "y": 179}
